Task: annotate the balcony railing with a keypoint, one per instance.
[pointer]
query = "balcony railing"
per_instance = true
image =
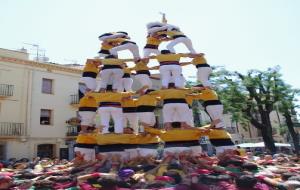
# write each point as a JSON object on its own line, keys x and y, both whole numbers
{"x": 6, "y": 90}
{"x": 74, "y": 99}
{"x": 72, "y": 131}
{"x": 11, "y": 129}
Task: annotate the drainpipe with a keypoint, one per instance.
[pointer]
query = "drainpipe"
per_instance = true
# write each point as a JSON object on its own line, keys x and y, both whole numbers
{"x": 28, "y": 104}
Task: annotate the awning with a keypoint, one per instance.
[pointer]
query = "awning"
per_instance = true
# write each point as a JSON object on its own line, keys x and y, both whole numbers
{"x": 261, "y": 144}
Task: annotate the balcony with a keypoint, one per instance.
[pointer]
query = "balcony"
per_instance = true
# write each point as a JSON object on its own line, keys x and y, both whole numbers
{"x": 6, "y": 90}
{"x": 74, "y": 99}
{"x": 11, "y": 129}
{"x": 72, "y": 131}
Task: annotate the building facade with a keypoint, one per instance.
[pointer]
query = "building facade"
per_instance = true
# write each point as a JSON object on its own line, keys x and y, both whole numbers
{"x": 36, "y": 100}
{"x": 35, "y": 104}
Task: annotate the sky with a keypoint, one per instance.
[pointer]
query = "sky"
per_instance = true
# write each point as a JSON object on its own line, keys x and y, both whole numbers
{"x": 237, "y": 34}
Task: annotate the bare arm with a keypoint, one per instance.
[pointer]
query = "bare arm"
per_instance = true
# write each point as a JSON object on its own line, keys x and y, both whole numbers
{"x": 157, "y": 78}
{"x": 152, "y": 57}
{"x": 191, "y": 55}
{"x": 141, "y": 89}
{"x": 185, "y": 63}
{"x": 127, "y": 60}
{"x": 154, "y": 68}
{"x": 93, "y": 61}
{"x": 271, "y": 181}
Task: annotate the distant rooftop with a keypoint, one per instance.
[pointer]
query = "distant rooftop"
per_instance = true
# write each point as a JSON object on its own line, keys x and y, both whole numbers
{"x": 18, "y": 54}
{"x": 22, "y": 57}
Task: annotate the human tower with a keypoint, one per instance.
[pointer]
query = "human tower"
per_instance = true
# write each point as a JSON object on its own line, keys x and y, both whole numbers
{"x": 116, "y": 100}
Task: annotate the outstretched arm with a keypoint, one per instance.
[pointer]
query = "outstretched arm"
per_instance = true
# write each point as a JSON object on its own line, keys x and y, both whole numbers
{"x": 152, "y": 77}
{"x": 141, "y": 89}
{"x": 152, "y": 57}
{"x": 93, "y": 61}
{"x": 185, "y": 63}
{"x": 154, "y": 68}
{"x": 191, "y": 55}
{"x": 127, "y": 60}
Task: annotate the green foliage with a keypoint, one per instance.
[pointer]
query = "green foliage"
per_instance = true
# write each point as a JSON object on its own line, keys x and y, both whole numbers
{"x": 283, "y": 130}
{"x": 251, "y": 97}
{"x": 245, "y": 95}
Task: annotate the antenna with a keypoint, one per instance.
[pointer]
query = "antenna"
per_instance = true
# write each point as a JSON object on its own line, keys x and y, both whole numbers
{"x": 163, "y": 20}
{"x": 40, "y": 53}
{"x": 35, "y": 46}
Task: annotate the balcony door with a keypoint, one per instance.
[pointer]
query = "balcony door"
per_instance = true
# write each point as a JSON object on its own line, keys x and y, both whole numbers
{"x": 45, "y": 150}
{"x": 2, "y": 151}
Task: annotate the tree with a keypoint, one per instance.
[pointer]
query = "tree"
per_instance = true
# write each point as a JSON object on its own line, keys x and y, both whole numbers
{"x": 251, "y": 97}
{"x": 287, "y": 107}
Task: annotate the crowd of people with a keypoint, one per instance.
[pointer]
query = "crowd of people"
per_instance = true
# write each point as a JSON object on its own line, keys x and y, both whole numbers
{"x": 182, "y": 171}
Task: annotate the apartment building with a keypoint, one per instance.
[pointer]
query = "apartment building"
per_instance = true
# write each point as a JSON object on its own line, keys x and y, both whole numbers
{"x": 34, "y": 106}
{"x": 36, "y": 100}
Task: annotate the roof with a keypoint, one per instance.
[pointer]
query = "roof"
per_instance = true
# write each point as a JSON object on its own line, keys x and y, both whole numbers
{"x": 50, "y": 66}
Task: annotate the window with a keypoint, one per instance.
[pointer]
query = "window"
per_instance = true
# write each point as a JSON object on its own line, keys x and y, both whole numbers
{"x": 46, "y": 117}
{"x": 47, "y": 86}
{"x": 2, "y": 151}
{"x": 45, "y": 150}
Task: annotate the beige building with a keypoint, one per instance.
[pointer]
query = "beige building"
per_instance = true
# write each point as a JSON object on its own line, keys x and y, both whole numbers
{"x": 36, "y": 100}
{"x": 34, "y": 105}
{"x": 248, "y": 133}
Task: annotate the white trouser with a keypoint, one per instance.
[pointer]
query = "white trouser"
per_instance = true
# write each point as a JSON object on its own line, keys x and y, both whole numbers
{"x": 117, "y": 116}
{"x": 115, "y": 74}
{"x": 147, "y": 152}
{"x": 133, "y": 48}
{"x": 133, "y": 153}
{"x": 144, "y": 80}
{"x": 89, "y": 153}
{"x": 216, "y": 112}
{"x": 196, "y": 150}
{"x": 182, "y": 82}
{"x": 190, "y": 118}
{"x": 203, "y": 75}
{"x": 122, "y": 154}
{"x": 175, "y": 150}
{"x": 147, "y": 117}
{"x": 126, "y": 84}
{"x": 175, "y": 112}
{"x": 185, "y": 40}
{"x": 87, "y": 117}
{"x": 132, "y": 118}
{"x": 149, "y": 51}
{"x": 221, "y": 149}
{"x": 90, "y": 83}
{"x": 101, "y": 55}
{"x": 168, "y": 71}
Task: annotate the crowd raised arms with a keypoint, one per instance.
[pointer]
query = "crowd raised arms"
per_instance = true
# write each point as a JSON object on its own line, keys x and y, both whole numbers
{"x": 115, "y": 98}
